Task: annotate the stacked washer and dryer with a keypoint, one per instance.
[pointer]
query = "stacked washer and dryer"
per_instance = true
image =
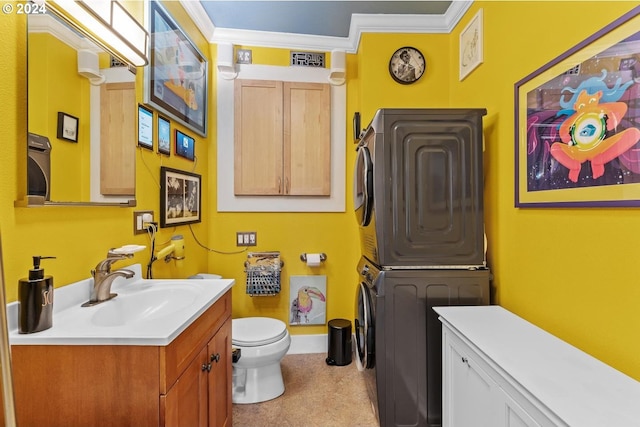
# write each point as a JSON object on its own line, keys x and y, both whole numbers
{"x": 418, "y": 193}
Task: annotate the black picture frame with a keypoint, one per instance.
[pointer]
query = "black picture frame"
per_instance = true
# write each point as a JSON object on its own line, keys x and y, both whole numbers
{"x": 145, "y": 127}
{"x": 180, "y": 197}
{"x": 68, "y": 127}
{"x": 164, "y": 135}
{"x": 185, "y": 145}
{"x": 176, "y": 80}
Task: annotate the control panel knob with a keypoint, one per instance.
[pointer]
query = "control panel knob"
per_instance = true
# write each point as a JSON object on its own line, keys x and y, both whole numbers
{"x": 364, "y": 271}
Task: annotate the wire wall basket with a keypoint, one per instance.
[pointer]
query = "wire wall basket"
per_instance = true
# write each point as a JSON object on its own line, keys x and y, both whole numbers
{"x": 263, "y": 273}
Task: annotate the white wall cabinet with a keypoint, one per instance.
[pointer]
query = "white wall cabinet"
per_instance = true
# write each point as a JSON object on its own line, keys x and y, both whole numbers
{"x": 500, "y": 370}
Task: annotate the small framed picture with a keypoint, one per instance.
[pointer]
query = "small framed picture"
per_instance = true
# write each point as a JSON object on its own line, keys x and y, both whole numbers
{"x": 471, "y": 41}
{"x": 185, "y": 145}
{"x": 164, "y": 135}
{"x": 180, "y": 197}
{"x": 67, "y": 127}
{"x": 145, "y": 127}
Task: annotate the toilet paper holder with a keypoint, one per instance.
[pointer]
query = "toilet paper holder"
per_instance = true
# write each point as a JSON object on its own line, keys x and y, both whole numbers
{"x": 323, "y": 257}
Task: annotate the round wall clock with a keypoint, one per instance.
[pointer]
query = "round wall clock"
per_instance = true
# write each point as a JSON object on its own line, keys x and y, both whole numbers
{"x": 407, "y": 65}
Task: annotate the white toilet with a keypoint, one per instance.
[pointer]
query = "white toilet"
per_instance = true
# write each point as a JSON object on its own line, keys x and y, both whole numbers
{"x": 263, "y": 342}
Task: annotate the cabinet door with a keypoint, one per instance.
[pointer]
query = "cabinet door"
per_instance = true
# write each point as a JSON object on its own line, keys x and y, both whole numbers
{"x": 515, "y": 416}
{"x": 258, "y": 145}
{"x": 219, "y": 349}
{"x": 117, "y": 139}
{"x": 470, "y": 397}
{"x": 282, "y": 138}
{"x": 307, "y": 139}
{"x": 186, "y": 402}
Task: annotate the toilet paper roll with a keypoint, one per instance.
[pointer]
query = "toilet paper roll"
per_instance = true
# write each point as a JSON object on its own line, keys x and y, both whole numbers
{"x": 313, "y": 260}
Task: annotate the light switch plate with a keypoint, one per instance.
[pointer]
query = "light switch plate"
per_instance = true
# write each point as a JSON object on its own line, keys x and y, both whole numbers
{"x": 246, "y": 238}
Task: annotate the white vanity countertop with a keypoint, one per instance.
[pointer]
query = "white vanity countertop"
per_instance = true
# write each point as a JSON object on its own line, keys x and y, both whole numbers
{"x": 580, "y": 389}
{"x": 76, "y": 325}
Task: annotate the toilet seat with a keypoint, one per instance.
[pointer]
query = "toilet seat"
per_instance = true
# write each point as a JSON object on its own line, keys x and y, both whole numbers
{"x": 257, "y": 331}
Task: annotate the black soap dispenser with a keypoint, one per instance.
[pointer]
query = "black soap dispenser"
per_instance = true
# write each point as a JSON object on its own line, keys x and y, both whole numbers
{"x": 35, "y": 297}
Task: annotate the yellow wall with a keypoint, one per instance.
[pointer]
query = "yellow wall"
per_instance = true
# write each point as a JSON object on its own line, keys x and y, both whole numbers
{"x": 334, "y": 234}
{"x": 292, "y": 234}
{"x": 60, "y": 90}
{"x": 570, "y": 271}
{"x": 80, "y": 236}
{"x": 540, "y": 257}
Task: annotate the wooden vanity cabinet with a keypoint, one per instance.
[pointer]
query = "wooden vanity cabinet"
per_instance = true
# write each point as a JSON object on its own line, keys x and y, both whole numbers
{"x": 179, "y": 384}
{"x": 202, "y": 394}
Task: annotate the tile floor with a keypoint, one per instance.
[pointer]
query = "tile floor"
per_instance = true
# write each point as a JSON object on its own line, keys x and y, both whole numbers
{"x": 316, "y": 395}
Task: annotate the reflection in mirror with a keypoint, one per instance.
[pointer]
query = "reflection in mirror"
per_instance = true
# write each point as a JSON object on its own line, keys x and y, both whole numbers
{"x": 81, "y": 119}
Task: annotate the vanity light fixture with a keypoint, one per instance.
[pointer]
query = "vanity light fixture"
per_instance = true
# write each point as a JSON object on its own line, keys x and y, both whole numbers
{"x": 109, "y": 22}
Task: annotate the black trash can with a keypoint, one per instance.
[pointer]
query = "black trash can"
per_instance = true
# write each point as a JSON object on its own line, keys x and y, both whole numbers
{"x": 339, "y": 342}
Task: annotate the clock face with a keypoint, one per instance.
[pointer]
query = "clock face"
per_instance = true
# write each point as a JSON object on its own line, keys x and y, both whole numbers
{"x": 407, "y": 65}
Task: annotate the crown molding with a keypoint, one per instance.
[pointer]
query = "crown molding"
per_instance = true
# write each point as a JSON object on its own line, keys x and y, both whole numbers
{"x": 199, "y": 17}
{"x": 360, "y": 23}
{"x": 50, "y": 25}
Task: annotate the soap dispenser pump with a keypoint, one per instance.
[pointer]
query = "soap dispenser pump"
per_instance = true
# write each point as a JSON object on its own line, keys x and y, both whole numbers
{"x": 35, "y": 297}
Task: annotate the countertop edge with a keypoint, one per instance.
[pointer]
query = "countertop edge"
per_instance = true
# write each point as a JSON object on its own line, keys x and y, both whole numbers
{"x": 70, "y": 296}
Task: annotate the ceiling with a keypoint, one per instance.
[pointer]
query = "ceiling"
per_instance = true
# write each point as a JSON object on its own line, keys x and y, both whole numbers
{"x": 318, "y": 25}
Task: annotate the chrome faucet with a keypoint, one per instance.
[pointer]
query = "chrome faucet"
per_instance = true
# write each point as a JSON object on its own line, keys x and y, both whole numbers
{"x": 103, "y": 277}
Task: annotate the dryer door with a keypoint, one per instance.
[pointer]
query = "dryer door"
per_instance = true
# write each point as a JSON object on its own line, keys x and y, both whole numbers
{"x": 365, "y": 327}
{"x": 363, "y": 186}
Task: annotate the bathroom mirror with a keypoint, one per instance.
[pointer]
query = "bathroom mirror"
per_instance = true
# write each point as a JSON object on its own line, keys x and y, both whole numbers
{"x": 81, "y": 119}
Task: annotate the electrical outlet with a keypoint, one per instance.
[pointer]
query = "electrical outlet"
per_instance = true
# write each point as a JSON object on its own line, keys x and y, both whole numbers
{"x": 246, "y": 238}
{"x": 138, "y": 221}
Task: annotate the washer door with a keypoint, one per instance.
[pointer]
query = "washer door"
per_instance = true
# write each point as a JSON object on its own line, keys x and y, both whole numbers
{"x": 363, "y": 186}
{"x": 364, "y": 327}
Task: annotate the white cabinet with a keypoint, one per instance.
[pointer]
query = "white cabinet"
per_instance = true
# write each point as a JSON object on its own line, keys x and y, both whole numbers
{"x": 471, "y": 396}
{"x": 500, "y": 370}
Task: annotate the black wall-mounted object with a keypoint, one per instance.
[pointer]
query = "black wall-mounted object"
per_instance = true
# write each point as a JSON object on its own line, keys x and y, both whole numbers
{"x": 356, "y": 126}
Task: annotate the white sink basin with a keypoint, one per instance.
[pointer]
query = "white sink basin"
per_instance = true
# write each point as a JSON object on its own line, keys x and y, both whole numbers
{"x": 145, "y": 312}
{"x": 149, "y": 304}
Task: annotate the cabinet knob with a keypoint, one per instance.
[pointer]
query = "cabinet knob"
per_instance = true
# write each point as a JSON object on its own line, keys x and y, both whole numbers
{"x": 215, "y": 357}
{"x": 206, "y": 367}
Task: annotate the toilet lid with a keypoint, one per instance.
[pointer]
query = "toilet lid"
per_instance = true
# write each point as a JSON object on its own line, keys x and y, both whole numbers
{"x": 255, "y": 331}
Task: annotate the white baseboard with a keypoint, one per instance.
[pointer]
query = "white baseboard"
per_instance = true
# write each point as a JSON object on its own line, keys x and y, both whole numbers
{"x": 303, "y": 344}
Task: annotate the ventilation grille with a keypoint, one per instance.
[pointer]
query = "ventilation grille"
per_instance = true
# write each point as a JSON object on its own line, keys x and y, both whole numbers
{"x": 307, "y": 59}
{"x": 115, "y": 62}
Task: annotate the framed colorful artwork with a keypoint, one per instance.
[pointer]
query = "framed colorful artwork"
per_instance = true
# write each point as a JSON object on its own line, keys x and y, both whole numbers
{"x": 577, "y": 124}
{"x": 177, "y": 75}
{"x": 307, "y": 300}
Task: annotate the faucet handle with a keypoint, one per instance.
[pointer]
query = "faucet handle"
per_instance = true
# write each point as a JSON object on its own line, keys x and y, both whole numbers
{"x": 114, "y": 254}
